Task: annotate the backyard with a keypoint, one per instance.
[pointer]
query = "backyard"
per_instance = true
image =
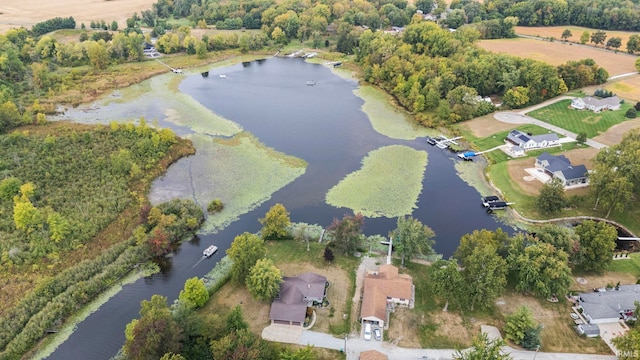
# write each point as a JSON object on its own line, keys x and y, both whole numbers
{"x": 580, "y": 121}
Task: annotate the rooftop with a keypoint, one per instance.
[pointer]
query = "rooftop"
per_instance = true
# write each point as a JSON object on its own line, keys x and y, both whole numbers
{"x": 609, "y": 304}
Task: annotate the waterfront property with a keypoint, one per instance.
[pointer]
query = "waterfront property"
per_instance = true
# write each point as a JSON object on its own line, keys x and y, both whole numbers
{"x": 560, "y": 167}
{"x": 595, "y": 104}
{"x": 530, "y": 142}
{"x": 382, "y": 291}
{"x": 297, "y": 293}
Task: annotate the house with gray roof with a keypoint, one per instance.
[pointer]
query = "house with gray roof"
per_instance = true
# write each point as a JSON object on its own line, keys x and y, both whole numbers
{"x": 609, "y": 306}
{"x": 296, "y": 294}
{"x": 595, "y": 104}
{"x": 530, "y": 142}
{"x": 560, "y": 167}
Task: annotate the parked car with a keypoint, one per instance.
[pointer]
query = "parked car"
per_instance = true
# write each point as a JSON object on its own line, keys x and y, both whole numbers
{"x": 377, "y": 334}
{"x": 367, "y": 331}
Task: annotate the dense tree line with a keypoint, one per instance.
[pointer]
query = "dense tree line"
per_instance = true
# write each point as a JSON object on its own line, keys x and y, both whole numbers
{"x": 438, "y": 75}
{"x": 540, "y": 263}
{"x": 50, "y": 25}
{"x": 598, "y": 14}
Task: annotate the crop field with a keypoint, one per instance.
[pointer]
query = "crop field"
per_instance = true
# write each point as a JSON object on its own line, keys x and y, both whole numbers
{"x": 576, "y": 31}
{"x": 556, "y": 53}
{"x": 580, "y": 121}
{"x": 17, "y": 13}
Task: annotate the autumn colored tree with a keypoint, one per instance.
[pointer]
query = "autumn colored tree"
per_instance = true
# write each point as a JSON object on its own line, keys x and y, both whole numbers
{"x": 264, "y": 280}
{"x": 276, "y": 222}
{"x": 245, "y": 250}
{"x": 195, "y": 293}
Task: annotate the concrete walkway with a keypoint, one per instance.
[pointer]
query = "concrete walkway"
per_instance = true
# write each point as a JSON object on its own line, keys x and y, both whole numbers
{"x": 520, "y": 117}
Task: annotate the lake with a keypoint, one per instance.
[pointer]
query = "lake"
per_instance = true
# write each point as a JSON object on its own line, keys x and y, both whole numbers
{"x": 322, "y": 124}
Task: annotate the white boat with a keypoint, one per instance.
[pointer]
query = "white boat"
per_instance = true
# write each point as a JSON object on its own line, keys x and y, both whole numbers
{"x": 223, "y": 76}
{"x": 210, "y": 251}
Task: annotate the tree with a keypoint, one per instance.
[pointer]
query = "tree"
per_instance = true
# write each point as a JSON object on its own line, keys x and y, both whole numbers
{"x": 520, "y": 327}
{"x": 245, "y": 250}
{"x": 172, "y": 356}
{"x": 483, "y": 349}
{"x": 615, "y": 42}
{"x": 97, "y": 53}
{"x": 306, "y": 353}
{"x": 447, "y": 282}
{"x": 584, "y": 38}
{"x": 631, "y": 113}
{"x": 633, "y": 43}
{"x": 496, "y": 239}
{"x": 484, "y": 275}
{"x": 194, "y": 294}
{"x": 412, "y": 238}
{"x": 235, "y": 320}
{"x": 628, "y": 345}
{"x": 215, "y": 206}
{"x": 566, "y": 34}
{"x": 114, "y": 25}
{"x": 347, "y": 233}
{"x": 155, "y": 333}
{"x": 242, "y": 344}
{"x": 516, "y": 97}
{"x": 581, "y": 138}
{"x": 561, "y": 237}
{"x": 275, "y": 223}
{"x": 597, "y": 243}
{"x": 598, "y": 37}
{"x": 264, "y": 280}
{"x": 424, "y": 5}
{"x": 540, "y": 268}
{"x": 328, "y": 254}
{"x": 551, "y": 198}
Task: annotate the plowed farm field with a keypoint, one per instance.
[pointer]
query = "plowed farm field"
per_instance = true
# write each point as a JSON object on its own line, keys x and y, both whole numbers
{"x": 556, "y": 53}
{"x": 17, "y": 13}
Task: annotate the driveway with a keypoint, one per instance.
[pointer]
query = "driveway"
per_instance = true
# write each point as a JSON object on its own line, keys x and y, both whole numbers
{"x": 520, "y": 117}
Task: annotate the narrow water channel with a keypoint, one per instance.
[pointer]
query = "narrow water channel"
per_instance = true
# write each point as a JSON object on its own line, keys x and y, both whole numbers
{"x": 322, "y": 124}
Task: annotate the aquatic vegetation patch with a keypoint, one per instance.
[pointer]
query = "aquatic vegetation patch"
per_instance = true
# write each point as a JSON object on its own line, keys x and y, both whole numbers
{"x": 388, "y": 184}
{"x": 387, "y": 119}
{"x": 240, "y": 171}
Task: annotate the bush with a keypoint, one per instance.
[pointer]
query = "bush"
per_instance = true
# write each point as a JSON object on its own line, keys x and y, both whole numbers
{"x": 631, "y": 113}
{"x": 215, "y": 206}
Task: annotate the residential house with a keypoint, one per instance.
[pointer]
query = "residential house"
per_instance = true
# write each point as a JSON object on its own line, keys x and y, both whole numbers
{"x": 609, "y": 306}
{"x": 595, "y": 104}
{"x": 529, "y": 142}
{"x": 296, "y": 294}
{"x": 373, "y": 355}
{"x": 382, "y": 291}
{"x": 560, "y": 167}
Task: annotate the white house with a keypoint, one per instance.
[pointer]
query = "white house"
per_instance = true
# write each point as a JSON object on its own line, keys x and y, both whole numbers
{"x": 560, "y": 167}
{"x": 529, "y": 142}
{"x": 595, "y": 104}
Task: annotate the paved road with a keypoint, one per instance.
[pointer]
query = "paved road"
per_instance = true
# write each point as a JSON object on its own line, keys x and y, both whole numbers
{"x": 520, "y": 117}
{"x": 357, "y": 345}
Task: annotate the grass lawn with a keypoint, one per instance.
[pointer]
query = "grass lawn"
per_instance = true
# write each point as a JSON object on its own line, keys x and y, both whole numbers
{"x": 629, "y": 266}
{"x": 580, "y": 121}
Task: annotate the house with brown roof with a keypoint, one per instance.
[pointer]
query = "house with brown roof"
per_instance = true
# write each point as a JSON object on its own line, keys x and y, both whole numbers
{"x": 382, "y": 291}
{"x": 296, "y": 294}
{"x": 373, "y": 355}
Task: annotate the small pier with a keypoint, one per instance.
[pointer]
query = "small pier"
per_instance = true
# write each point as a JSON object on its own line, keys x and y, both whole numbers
{"x": 443, "y": 142}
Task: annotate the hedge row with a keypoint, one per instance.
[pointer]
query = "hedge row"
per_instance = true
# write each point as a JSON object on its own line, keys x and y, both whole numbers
{"x": 64, "y": 294}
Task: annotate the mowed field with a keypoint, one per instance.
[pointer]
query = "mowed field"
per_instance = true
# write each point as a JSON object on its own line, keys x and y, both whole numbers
{"x": 576, "y": 32}
{"x": 17, "y": 13}
{"x": 556, "y": 53}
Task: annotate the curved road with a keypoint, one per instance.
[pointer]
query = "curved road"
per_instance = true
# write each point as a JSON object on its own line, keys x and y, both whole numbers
{"x": 520, "y": 117}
